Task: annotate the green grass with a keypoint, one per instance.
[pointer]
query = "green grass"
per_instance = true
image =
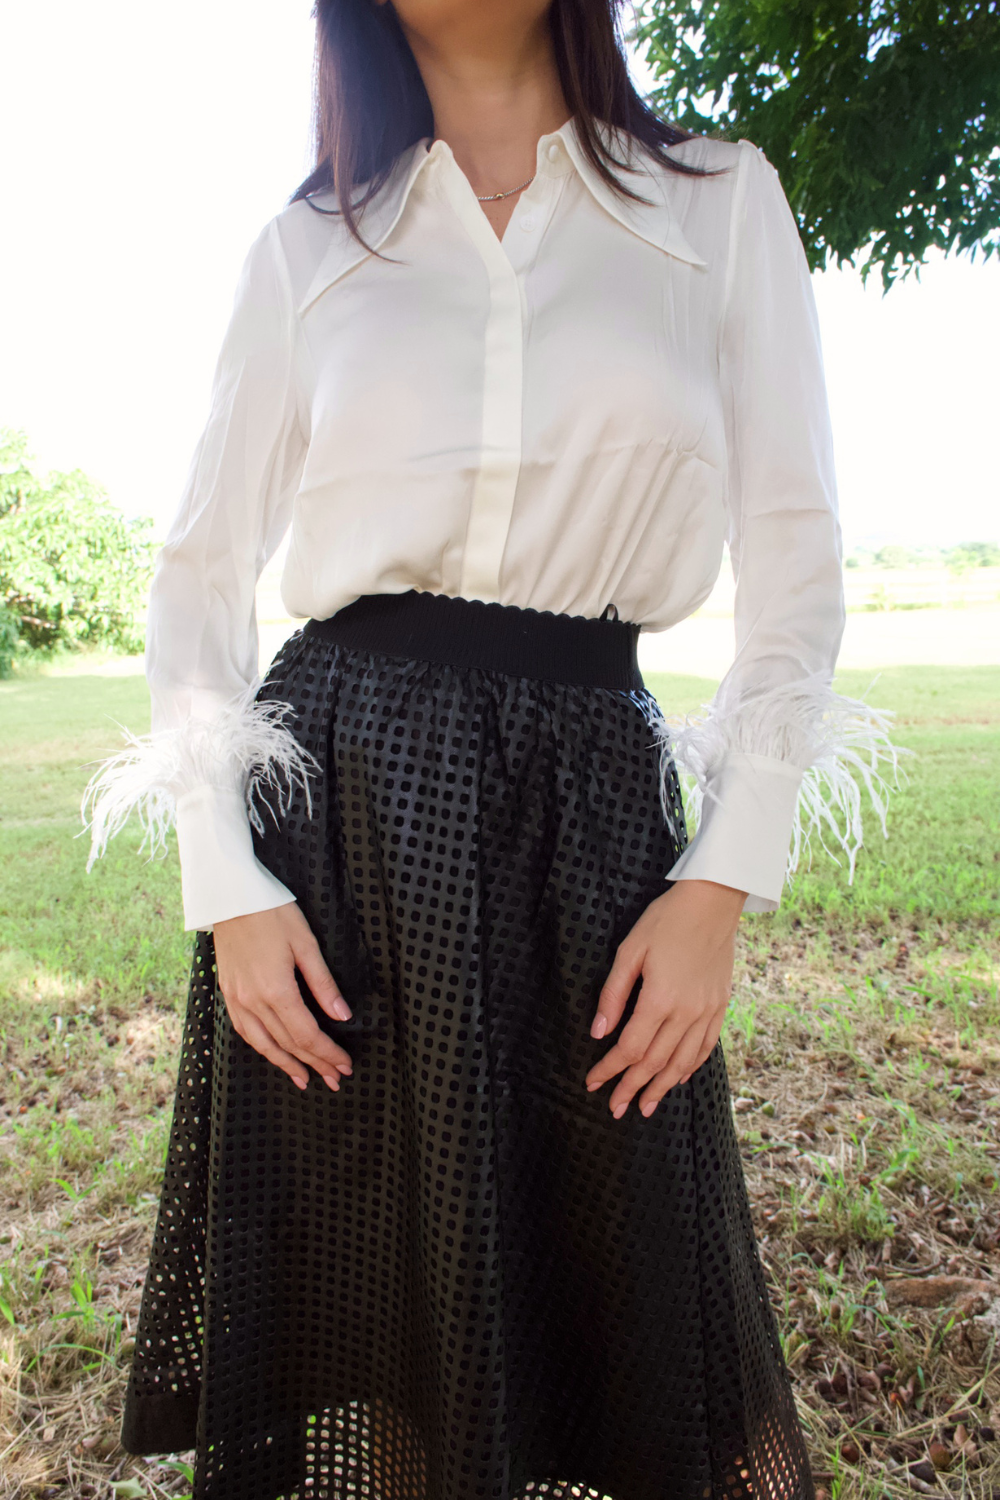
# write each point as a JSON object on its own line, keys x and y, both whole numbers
{"x": 120, "y": 926}
{"x": 863, "y": 1042}
{"x": 943, "y": 861}
{"x": 117, "y": 928}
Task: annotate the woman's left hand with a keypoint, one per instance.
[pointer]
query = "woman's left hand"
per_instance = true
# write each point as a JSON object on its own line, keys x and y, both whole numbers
{"x": 683, "y": 946}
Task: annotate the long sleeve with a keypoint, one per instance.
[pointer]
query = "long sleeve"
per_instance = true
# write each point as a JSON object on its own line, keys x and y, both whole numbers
{"x": 210, "y": 742}
{"x": 778, "y": 754}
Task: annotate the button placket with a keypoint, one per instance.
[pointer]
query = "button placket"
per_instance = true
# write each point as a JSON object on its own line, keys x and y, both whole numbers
{"x": 524, "y": 241}
{"x": 530, "y": 218}
{"x": 495, "y": 482}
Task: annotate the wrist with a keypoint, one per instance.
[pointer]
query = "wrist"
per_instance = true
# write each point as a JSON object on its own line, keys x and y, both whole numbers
{"x": 723, "y": 901}
{"x": 244, "y": 919}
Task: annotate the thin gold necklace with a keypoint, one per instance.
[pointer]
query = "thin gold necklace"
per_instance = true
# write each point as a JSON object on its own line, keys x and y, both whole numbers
{"x": 492, "y": 197}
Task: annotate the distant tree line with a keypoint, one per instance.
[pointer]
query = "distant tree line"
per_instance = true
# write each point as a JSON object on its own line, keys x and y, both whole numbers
{"x": 958, "y": 559}
{"x": 74, "y": 572}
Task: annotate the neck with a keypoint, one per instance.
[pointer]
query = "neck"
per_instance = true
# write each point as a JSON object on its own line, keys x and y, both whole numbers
{"x": 494, "y": 89}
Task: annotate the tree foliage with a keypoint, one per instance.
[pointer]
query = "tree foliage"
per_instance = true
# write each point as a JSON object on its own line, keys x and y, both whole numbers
{"x": 968, "y": 555}
{"x": 73, "y": 571}
{"x": 881, "y": 116}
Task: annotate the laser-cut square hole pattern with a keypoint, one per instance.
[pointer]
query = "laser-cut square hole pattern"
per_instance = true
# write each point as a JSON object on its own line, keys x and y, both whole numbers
{"x": 459, "y": 1278}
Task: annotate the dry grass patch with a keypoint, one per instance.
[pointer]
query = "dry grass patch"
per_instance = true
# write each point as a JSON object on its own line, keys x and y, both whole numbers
{"x": 867, "y": 1089}
{"x": 863, "y": 1044}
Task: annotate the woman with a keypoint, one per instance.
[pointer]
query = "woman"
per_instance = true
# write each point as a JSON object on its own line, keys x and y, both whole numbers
{"x": 512, "y": 365}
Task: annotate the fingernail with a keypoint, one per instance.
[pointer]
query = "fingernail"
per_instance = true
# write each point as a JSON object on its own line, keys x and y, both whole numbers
{"x": 592, "y": 1086}
{"x": 332, "y": 1081}
{"x": 620, "y": 1111}
{"x": 341, "y": 1009}
{"x": 647, "y": 1109}
{"x": 346, "y": 1069}
{"x": 599, "y": 1027}
{"x": 302, "y": 1082}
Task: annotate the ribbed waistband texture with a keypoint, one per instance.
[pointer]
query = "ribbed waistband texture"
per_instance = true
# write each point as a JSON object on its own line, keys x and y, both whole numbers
{"x": 497, "y": 637}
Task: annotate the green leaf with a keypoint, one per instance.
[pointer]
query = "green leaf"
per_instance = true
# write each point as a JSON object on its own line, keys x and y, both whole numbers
{"x": 73, "y": 570}
{"x": 881, "y": 118}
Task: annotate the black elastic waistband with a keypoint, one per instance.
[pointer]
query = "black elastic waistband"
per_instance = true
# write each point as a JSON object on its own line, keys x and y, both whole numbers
{"x": 498, "y": 637}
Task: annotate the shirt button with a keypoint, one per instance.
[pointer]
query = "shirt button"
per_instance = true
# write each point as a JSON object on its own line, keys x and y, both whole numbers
{"x": 553, "y": 152}
{"x": 527, "y": 221}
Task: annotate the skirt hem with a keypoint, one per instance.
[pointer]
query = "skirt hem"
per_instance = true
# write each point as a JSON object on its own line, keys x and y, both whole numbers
{"x": 159, "y": 1424}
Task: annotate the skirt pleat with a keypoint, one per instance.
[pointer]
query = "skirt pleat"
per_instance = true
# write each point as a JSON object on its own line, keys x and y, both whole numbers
{"x": 459, "y": 1278}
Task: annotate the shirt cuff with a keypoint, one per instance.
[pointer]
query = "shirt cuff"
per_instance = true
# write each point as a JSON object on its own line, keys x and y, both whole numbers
{"x": 747, "y": 817}
{"x": 221, "y": 876}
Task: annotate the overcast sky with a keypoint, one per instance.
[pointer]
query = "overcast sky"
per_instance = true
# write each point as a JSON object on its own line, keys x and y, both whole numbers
{"x": 143, "y": 148}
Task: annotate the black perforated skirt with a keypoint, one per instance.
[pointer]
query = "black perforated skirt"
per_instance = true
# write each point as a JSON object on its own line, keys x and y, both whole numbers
{"x": 459, "y": 1278}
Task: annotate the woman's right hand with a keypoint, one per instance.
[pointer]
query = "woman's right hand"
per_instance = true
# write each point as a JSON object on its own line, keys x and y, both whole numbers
{"x": 256, "y": 957}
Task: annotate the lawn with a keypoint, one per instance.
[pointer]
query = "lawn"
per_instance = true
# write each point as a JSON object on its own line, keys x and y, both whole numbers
{"x": 863, "y": 1044}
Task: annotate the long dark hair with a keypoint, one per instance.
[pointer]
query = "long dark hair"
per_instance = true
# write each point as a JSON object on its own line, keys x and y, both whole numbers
{"x": 371, "y": 103}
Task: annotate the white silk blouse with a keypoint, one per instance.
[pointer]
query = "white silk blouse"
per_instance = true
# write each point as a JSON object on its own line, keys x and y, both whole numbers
{"x": 578, "y": 414}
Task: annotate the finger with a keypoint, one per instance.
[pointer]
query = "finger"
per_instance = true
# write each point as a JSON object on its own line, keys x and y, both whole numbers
{"x": 301, "y": 1037}
{"x": 657, "y": 1056}
{"x": 291, "y": 1025}
{"x": 687, "y": 1058}
{"x": 617, "y": 987}
{"x": 630, "y": 1048}
{"x": 316, "y": 1052}
{"x": 709, "y": 1044}
{"x": 261, "y": 1041}
{"x": 314, "y": 970}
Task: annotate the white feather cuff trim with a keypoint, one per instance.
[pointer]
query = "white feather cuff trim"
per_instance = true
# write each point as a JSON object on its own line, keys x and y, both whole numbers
{"x": 247, "y": 746}
{"x": 841, "y": 745}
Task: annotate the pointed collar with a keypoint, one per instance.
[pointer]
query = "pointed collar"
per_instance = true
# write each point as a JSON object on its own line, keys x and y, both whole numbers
{"x": 653, "y": 221}
{"x": 376, "y": 221}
